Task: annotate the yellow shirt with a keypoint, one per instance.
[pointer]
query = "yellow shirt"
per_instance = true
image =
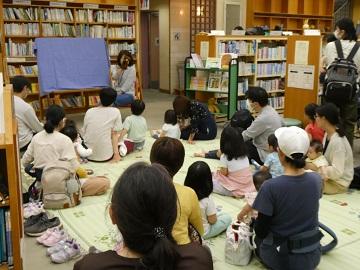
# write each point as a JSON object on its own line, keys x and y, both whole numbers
{"x": 188, "y": 212}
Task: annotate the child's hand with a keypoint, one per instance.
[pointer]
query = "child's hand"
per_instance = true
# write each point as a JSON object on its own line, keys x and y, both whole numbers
{"x": 241, "y": 217}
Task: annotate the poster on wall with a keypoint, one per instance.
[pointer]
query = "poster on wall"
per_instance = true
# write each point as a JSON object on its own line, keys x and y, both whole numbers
{"x": 144, "y": 4}
{"x": 2, "y": 116}
{"x": 301, "y": 76}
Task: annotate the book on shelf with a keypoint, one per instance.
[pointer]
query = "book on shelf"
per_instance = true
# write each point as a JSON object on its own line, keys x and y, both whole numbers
{"x": 115, "y": 48}
{"x": 3, "y": 257}
{"x": 21, "y": 29}
{"x": 19, "y": 49}
{"x": 9, "y": 252}
{"x": 94, "y": 100}
{"x": 121, "y": 32}
{"x": 34, "y": 88}
{"x": 246, "y": 68}
{"x": 29, "y": 14}
{"x": 213, "y": 62}
{"x": 198, "y": 83}
{"x": 277, "y": 102}
{"x": 58, "y": 29}
{"x": 56, "y": 14}
{"x": 243, "y": 86}
{"x": 214, "y": 82}
{"x": 270, "y": 85}
{"x": 197, "y": 60}
{"x": 271, "y": 69}
{"x": 23, "y": 70}
{"x": 82, "y": 30}
{"x": 239, "y": 47}
{"x": 275, "y": 53}
{"x": 224, "y": 82}
{"x": 97, "y": 31}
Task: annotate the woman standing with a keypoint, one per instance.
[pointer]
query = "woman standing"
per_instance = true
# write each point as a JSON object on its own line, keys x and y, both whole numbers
{"x": 125, "y": 77}
{"x": 287, "y": 234}
{"x": 202, "y": 123}
{"x": 337, "y": 150}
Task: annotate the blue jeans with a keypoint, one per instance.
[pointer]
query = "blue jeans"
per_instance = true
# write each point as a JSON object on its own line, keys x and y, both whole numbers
{"x": 223, "y": 221}
{"x": 124, "y": 99}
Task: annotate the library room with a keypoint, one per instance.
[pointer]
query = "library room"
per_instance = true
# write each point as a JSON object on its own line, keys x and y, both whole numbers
{"x": 241, "y": 116}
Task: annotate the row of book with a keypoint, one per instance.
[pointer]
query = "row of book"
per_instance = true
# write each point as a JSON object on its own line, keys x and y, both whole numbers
{"x": 58, "y": 29}
{"x": 21, "y": 13}
{"x": 271, "y": 69}
{"x": 216, "y": 81}
{"x": 27, "y": 29}
{"x": 105, "y": 16}
{"x": 269, "y": 85}
{"x": 56, "y": 14}
{"x": 69, "y": 102}
{"x": 23, "y": 70}
{"x": 74, "y": 101}
{"x": 243, "y": 86}
{"x": 246, "y": 68}
{"x": 237, "y": 47}
{"x": 6, "y": 253}
{"x": 275, "y": 53}
{"x": 19, "y": 49}
{"x": 122, "y": 32}
{"x": 115, "y": 48}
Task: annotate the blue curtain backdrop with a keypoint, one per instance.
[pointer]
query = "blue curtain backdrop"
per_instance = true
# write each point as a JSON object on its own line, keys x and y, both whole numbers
{"x": 72, "y": 63}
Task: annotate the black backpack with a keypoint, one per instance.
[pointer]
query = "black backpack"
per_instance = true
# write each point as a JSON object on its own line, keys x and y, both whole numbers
{"x": 341, "y": 77}
{"x": 242, "y": 119}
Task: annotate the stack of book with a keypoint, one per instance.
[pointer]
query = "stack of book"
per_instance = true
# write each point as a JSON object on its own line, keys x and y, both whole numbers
{"x": 21, "y": 14}
{"x": 58, "y": 29}
{"x": 54, "y": 14}
{"x": 121, "y": 32}
{"x": 6, "y": 253}
{"x": 22, "y": 29}
{"x": 275, "y": 53}
{"x": 19, "y": 49}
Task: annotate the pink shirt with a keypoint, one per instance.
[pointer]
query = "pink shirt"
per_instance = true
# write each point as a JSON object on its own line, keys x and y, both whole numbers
{"x": 315, "y": 132}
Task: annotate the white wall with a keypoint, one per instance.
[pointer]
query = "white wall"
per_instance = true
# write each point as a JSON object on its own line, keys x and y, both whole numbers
{"x": 220, "y": 13}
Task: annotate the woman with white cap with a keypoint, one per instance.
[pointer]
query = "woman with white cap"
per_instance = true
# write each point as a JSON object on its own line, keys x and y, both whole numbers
{"x": 287, "y": 234}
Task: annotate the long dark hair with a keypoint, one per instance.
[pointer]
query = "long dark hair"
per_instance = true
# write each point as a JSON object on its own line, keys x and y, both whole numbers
{"x": 232, "y": 143}
{"x": 347, "y": 25}
{"x": 199, "y": 178}
{"x": 331, "y": 114}
{"x": 54, "y": 115}
{"x": 181, "y": 105}
{"x": 144, "y": 206}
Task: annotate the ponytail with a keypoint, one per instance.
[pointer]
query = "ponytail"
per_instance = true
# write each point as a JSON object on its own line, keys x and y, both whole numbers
{"x": 163, "y": 255}
{"x": 340, "y": 129}
{"x": 297, "y": 161}
{"x": 49, "y": 127}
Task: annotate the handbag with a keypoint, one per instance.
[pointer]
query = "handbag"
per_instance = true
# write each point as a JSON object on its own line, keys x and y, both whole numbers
{"x": 238, "y": 244}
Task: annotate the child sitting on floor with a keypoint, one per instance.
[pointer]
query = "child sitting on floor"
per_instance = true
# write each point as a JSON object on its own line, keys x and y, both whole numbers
{"x": 71, "y": 131}
{"x": 135, "y": 127}
{"x": 312, "y": 129}
{"x": 199, "y": 178}
{"x": 272, "y": 163}
{"x": 247, "y": 211}
{"x": 170, "y": 128}
{"x": 234, "y": 178}
{"x": 315, "y": 158}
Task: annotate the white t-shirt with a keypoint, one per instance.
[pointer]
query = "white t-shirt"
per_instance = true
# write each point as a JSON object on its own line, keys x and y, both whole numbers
{"x": 207, "y": 208}
{"x": 48, "y": 147}
{"x": 27, "y": 121}
{"x": 234, "y": 164}
{"x": 98, "y": 125}
{"x": 172, "y": 131}
{"x": 346, "y": 45}
{"x": 136, "y": 127}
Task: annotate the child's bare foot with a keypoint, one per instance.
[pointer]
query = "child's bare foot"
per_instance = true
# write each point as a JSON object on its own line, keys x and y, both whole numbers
{"x": 202, "y": 154}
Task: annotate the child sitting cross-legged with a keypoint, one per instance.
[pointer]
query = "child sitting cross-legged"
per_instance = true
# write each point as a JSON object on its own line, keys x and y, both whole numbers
{"x": 170, "y": 128}
{"x": 135, "y": 127}
{"x": 234, "y": 178}
{"x": 247, "y": 211}
{"x": 199, "y": 178}
{"x": 315, "y": 158}
{"x": 272, "y": 163}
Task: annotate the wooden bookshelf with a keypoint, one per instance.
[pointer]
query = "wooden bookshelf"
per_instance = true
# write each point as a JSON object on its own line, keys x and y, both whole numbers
{"x": 290, "y": 14}
{"x": 120, "y": 30}
{"x": 9, "y": 160}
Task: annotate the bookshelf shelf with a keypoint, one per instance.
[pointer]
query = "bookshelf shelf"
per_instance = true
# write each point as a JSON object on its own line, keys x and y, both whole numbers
{"x": 20, "y": 21}
{"x": 55, "y": 21}
{"x": 21, "y": 36}
{"x": 246, "y": 75}
{"x": 271, "y": 60}
{"x": 4, "y": 206}
{"x": 207, "y": 90}
{"x": 270, "y": 76}
{"x": 116, "y": 39}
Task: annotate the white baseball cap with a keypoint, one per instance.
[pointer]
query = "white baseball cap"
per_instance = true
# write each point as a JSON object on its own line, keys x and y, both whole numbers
{"x": 292, "y": 140}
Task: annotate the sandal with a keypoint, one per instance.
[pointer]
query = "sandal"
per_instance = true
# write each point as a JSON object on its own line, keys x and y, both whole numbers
{"x": 89, "y": 171}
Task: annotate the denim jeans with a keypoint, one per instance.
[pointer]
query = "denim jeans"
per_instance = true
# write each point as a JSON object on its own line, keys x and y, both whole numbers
{"x": 124, "y": 99}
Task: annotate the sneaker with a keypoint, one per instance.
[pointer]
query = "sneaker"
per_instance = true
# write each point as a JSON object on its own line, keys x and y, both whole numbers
{"x": 54, "y": 238}
{"x": 59, "y": 246}
{"x": 34, "y": 219}
{"x": 94, "y": 250}
{"x": 42, "y": 225}
{"x": 44, "y": 236}
{"x": 33, "y": 209}
{"x": 66, "y": 254}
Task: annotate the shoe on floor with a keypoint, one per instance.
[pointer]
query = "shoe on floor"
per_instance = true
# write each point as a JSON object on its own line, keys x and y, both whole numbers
{"x": 46, "y": 235}
{"x": 59, "y": 246}
{"x": 33, "y": 219}
{"x": 54, "y": 238}
{"x": 66, "y": 254}
{"x": 42, "y": 225}
{"x": 33, "y": 209}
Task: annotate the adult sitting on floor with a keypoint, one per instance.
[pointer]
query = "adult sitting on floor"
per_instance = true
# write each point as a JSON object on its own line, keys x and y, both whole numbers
{"x": 287, "y": 226}
{"x": 265, "y": 124}
{"x": 28, "y": 123}
{"x": 337, "y": 150}
{"x": 144, "y": 208}
{"x": 202, "y": 123}
{"x": 170, "y": 153}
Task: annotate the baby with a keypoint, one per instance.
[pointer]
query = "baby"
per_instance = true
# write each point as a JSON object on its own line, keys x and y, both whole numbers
{"x": 315, "y": 159}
